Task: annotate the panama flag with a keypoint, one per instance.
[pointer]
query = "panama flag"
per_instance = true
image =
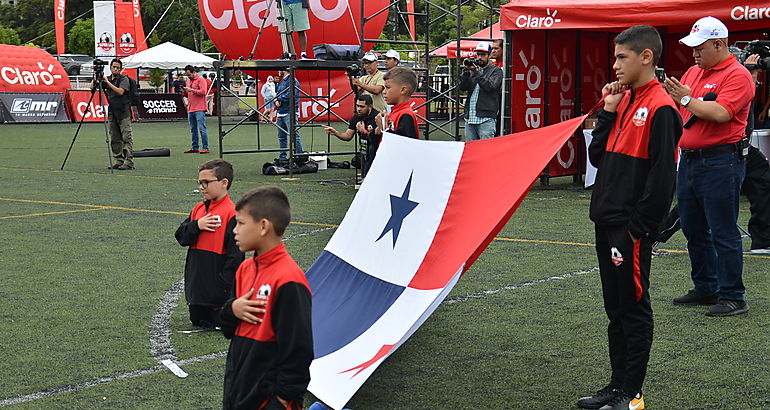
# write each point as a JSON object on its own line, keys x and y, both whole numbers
{"x": 424, "y": 213}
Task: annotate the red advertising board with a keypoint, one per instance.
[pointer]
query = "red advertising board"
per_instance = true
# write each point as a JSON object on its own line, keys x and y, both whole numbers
{"x": 527, "y": 89}
{"x": 335, "y": 87}
{"x": 594, "y": 67}
{"x": 418, "y": 105}
{"x": 562, "y": 46}
{"x": 78, "y": 106}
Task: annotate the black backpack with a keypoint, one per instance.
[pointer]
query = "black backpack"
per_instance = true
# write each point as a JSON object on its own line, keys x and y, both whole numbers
{"x": 133, "y": 91}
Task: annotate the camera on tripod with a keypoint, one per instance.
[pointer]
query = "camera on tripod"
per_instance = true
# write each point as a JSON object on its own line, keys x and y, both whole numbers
{"x": 470, "y": 62}
{"x": 759, "y": 47}
{"x": 353, "y": 70}
{"x": 99, "y": 65}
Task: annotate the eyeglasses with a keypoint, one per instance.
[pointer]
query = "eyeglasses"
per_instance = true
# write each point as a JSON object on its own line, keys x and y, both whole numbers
{"x": 204, "y": 183}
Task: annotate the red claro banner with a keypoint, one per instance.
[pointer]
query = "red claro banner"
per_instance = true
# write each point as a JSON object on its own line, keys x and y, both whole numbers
{"x": 30, "y": 70}
{"x": 233, "y": 25}
{"x": 79, "y": 107}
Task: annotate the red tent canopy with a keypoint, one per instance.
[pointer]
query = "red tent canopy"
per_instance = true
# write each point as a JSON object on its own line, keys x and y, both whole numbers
{"x": 737, "y": 15}
{"x": 467, "y": 46}
{"x": 30, "y": 70}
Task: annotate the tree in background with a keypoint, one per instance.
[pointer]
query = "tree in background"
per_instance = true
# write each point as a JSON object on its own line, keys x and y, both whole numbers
{"x": 157, "y": 78}
{"x": 80, "y": 39}
{"x": 9, "y": 36}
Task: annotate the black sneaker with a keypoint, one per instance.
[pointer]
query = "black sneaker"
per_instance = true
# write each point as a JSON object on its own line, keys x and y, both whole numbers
{"x": 599, "y": 399}
{"x": 728, "y": 308}
{"x": 114, "y": 166}
{"x": 694, "y": 298}
{"x": 625, "y": 401}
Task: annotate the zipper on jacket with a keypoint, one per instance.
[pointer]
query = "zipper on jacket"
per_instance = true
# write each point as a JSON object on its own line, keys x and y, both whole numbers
{"x": 622, "y": 116}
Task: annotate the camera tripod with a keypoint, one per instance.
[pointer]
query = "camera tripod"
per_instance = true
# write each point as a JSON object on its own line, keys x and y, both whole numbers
{"x": 283, "y": 29}
{"x": 100, "y": 89}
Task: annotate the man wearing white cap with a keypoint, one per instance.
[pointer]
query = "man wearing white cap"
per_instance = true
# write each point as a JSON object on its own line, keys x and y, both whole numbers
{"x": 372, "y": 83}
{"x": 483, "y": 81}
{"x": 392, "y": 58}
{"x": 718, "y": 91}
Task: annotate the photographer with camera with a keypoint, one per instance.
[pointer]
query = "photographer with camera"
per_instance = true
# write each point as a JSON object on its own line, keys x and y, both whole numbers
{"x": 116, "y": 87}
{"x": 483, "y": 81}
{"x": 756, "y": 183}
{"x": 362, "y": 124}
{"x": 371, "y": 84}
{"x": 712, "y": 167}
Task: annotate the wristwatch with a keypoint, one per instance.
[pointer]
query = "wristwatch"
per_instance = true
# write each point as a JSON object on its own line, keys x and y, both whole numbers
{"x": 685, "y": 100}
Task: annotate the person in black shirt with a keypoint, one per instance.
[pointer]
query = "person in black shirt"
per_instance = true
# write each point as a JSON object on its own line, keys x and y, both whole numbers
{"x": 116, "y": 88}
{"x": 363, "y": 124}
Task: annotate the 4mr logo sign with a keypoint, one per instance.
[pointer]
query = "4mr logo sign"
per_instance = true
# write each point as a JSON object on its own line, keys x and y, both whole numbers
{"x": 28, "y": 106}
{"x": 32, "y": 107}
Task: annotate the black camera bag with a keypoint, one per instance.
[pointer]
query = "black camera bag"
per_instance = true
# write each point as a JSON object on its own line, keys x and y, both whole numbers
{"x": 341, "y": 52}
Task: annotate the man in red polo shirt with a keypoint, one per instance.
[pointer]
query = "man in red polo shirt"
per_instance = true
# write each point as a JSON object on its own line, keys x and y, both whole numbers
{"x": 712, "y": 167}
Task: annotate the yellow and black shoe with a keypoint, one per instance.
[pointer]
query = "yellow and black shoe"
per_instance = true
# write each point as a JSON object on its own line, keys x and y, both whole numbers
{"x": 625, "y": 401}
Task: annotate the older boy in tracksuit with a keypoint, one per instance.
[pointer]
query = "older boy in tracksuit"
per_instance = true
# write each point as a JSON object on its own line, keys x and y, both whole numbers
{"x": 633, "y": 147}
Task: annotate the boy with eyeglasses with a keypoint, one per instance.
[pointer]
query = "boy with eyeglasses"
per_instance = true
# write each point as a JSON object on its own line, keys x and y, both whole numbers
{"x": 212, "y": 255}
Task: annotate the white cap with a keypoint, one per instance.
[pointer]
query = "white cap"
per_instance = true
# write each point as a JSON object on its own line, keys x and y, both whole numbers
{"x": 369, "y": 56}
{"x": 484, "y": 46}
{"x": 705, "y": 29}
{"x": 393, "y": 54}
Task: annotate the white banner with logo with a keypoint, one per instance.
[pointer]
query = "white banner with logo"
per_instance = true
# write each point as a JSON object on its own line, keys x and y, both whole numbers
{"x": 104, "y": 28}
{"x": 32, "y": 107}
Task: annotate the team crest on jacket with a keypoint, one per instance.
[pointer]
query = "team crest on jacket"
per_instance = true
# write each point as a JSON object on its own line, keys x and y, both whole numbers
{"x": 617, "y": 257}
{"x": 640, "y": 116}
{"x": 263, "y": 292}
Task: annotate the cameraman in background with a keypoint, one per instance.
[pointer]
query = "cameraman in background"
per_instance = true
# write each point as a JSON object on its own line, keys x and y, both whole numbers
{"x": 484, "y": 82}
{"x": 116, "y": 87}
{"x": 372, "y": 84}
{"x": 756, "y": 184}
{"x": 363, "y": 125}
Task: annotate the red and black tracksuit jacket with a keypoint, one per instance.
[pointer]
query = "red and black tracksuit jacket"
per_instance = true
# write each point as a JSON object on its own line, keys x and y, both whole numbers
{"x": 634, "y": 150}
{"x": 212, "y": 257}
{"x": 403, "y": 121}
{"x": 271, "y": 358}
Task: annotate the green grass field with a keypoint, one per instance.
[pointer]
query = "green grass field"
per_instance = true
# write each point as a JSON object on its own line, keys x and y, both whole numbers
{"x": 90, "y": 264}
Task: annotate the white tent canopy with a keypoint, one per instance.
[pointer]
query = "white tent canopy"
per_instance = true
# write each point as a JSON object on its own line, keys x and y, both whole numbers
{"x": 167, "y": 56}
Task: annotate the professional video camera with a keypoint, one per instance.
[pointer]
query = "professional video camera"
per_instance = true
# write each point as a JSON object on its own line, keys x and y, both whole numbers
{"x": 760, "y": 47}
{"x": 354, "y": 70}
{"x": 99, "y": 65}
{"x": 470, "y": 62}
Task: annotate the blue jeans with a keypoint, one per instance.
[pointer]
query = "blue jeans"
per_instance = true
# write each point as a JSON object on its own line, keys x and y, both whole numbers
{"x": 708, "y": 192}
{"x": 485, "y": 130}
{"x": 198, "y": 122}
{"x": 283, "y": 136}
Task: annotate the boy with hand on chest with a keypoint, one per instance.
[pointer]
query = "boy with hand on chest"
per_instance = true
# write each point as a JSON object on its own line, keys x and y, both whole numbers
{"x": 400, "y": 83}
{"x": 268, "y": 319}
{"x": 213, "y": 256}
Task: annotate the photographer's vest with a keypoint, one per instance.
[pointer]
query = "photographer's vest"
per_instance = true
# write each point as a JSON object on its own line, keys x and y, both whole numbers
{"x": 119, "y": 105}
